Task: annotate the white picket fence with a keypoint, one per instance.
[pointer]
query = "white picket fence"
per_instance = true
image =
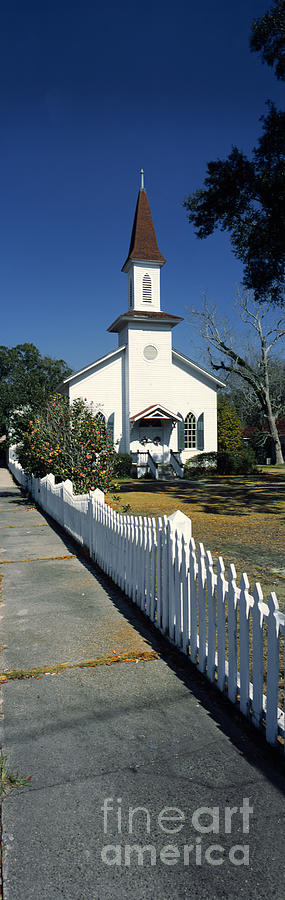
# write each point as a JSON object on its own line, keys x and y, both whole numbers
{"x": 223, "y": 628}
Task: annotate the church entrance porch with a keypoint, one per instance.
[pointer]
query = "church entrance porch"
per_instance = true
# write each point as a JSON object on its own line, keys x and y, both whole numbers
{"x": 150, "y": 439}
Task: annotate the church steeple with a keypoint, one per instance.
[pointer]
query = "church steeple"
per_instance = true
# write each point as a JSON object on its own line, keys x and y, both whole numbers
{"x": 144, "y": 259}
{"x": 143, "y": 243}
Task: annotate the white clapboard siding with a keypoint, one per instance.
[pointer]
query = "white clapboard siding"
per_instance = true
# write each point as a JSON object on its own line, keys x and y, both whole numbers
{"x": 220, "y": 626}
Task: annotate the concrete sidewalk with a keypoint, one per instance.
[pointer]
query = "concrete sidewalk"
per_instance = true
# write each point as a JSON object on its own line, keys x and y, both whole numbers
{"x": 148, "y": 732}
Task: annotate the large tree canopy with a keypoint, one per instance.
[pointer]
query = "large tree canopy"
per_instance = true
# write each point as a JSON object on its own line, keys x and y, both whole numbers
{"x": 26, "y": 380}
{"x": 268, "y": 37}
{"x": 246, "y": 197}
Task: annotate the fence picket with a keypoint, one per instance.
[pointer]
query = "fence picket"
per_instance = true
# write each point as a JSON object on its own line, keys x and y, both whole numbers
{"x": 221, "y": 623}
{"x": 140, "y": 594}
{"x": 193, "y": 602}
{"x": 153, "y": 570}
{"x": 170, "y": 536}
{"x": 178, "y": 590}
{"x": 159, "y": 534}
{"x": 257, "y": 655}
{"x": 211, "y": 595}
{"x": 133, "y": 565}
{"x": 244, "y": 607}
{"x": 144, "y": 556}
{"x": 272, "y": 669}
{"x": 165, "y": 576}
{"x": 202, "y": 608}
{"x": 128, "y": 556}
{"x": 185, "y": 579}
{"x": 233, "y": 593}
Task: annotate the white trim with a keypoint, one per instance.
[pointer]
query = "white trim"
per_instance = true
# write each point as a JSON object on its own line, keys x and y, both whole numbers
{"x": 144, "y": 263}
{"x": 93, "y": 365}
{"x": 193, "y": 365}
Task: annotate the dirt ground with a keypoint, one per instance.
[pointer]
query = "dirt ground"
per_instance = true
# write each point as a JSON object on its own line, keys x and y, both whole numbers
{"x": 241, "y": 520}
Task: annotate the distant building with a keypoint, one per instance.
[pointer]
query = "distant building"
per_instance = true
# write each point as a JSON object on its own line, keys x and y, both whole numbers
{"x": 155, "y": 399}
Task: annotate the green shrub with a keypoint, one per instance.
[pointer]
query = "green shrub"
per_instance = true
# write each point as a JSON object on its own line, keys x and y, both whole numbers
{"x": 241, "y": 463}
{"x": 223, "y": 462}
{"x": 229, "y": 426}
{"x": 122, "y": 464}
{"x": 201, "y": 464}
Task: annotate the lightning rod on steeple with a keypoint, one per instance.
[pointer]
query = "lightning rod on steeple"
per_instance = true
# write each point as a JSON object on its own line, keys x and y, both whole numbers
{"x": 142, "y": 180}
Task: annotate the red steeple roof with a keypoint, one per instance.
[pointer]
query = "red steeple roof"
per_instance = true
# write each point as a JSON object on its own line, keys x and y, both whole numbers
{"x": 143, "y": 243}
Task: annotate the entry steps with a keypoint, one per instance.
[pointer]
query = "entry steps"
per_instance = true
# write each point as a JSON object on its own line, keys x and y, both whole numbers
{"x": 166, "y": 472}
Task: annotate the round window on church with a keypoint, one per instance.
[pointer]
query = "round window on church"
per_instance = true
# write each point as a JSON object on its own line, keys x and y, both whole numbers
{"x": 150, "y": 352}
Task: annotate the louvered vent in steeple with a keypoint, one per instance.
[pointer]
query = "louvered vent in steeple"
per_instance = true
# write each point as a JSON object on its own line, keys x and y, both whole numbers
{"x": 146, "y": 289}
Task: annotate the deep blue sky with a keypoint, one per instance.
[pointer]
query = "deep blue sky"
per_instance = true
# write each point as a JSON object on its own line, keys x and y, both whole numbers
{"x": 89, "y": 94}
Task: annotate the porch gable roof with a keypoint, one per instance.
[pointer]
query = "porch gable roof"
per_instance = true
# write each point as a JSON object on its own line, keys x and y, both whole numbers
{"x": 155, "y": 411}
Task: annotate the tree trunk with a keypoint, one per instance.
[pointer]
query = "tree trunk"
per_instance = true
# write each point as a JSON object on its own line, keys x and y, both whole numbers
{"x": 271, "y": 418}
{"x": 275, "y": 437}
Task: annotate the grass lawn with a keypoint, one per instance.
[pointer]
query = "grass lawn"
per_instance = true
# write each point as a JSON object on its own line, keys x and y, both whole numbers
{"x": 239, "y": 518}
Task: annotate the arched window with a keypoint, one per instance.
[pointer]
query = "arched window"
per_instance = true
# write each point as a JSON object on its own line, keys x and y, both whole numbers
{"x": 130, "y": 293}
{"x": 190, "y": 431}
{"x": 146, "y": 288}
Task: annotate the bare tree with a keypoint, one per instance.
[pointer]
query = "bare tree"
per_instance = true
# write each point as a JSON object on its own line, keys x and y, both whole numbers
{"x": 256, "y": 377}
{"x": 246, "y": 402}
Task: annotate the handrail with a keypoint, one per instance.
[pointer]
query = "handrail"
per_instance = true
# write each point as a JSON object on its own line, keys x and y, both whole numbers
{"x": 176, "y": 464}
{"x": 142, "y": 457}
{"x": 152, "y": 465}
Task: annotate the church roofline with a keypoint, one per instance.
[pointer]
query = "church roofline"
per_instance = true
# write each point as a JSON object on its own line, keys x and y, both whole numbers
{"x": 97, "y": 362}
{"x": 144, "y": 315}
{"x": 193, "y": 365}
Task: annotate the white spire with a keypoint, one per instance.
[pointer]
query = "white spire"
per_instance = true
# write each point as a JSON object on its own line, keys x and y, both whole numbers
{"x": 142, "y": 180}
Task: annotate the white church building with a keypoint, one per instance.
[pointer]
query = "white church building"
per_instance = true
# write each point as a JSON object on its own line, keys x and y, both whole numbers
{"x": 158, "y": 405}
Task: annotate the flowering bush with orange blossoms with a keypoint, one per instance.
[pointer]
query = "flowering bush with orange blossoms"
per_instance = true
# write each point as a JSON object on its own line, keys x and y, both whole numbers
{"x": 70, "y": 442}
